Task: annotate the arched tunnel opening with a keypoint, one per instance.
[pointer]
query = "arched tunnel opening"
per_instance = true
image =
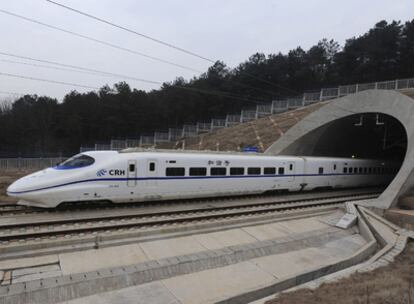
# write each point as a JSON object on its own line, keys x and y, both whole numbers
{"x": 361, "y": 136}
{"x": 366, "y": 135}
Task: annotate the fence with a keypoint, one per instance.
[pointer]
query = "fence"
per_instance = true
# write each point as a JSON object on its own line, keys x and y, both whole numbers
{"x": 276, "y": 106}
{"x": 189, "y": 130}
{"x": 29, "y": 164}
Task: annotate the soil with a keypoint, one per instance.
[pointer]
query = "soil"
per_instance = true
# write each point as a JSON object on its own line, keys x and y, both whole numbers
{"x": 392, "y": 284}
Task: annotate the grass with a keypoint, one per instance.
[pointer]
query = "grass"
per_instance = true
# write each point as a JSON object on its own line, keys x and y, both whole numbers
{"x": 392, "y": 284}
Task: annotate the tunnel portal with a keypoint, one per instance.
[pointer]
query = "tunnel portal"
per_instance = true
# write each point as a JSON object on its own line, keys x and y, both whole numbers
{"x": 365, "y": 135}
{"x": 374, "y": 124}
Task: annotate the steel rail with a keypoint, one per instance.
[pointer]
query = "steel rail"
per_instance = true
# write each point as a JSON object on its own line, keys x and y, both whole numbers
{"x": 117, "y": 222}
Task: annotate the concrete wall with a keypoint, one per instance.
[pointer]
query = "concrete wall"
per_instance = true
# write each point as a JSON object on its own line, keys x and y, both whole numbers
{"x": 392, "y": 103}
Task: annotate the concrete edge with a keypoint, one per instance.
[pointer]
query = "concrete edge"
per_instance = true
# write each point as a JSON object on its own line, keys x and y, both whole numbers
{"x": 62, "y": 288}
{"x": 357, "y": 258}
{"x": 380, "y": 259}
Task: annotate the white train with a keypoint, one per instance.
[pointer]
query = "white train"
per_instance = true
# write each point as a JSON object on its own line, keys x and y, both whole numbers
{"x": 133, "y": 176}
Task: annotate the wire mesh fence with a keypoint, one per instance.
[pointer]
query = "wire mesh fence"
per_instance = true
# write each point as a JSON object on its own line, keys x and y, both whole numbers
{"x": 29, "y": 164}
{"x": 217, "y": 123}
{"x": 189, "y": 130}
{"x": 203, "y": 127}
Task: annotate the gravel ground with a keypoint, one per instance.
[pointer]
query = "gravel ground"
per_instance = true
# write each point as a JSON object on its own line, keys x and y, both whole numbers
{"x": 392, "y": 284}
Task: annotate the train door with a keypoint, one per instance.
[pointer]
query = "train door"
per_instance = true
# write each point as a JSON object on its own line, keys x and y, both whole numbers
{"x": 132, "y": 173}
{"x": 291, "y": 171}
{"x": 152, "y": 173}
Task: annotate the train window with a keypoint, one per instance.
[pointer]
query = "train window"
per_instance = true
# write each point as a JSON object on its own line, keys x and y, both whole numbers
{"x": 199, "y": 171}
{"x": 334, "y": 167}
{"x": 350, "y": 170}
{"x": 355, "y": 170}
{"x": 360, "y": 170}
{"x": 369, "y": 170}
{"x": 174, "y": 171}
{"x": 320, "y": 170}
{"x": 281, "y": 171}
{"x": 345, "y": 170}
{"x": 131, "y": 168}
{"x": 254, "y": 171}
{"x": 77, "y": 161}
{"x": 152, "y": 166}
{"x": 365, "y": 170}
{"x": 269, "y": 171}
{"x": 290, "y": 167}
{"x": 237, "y": 171}
{"x": 217, "y": 171}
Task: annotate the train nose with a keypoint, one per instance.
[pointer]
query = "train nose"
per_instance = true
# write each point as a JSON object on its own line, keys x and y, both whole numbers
{"x": 16, "y": 188}
{"x": 25, "y": 190}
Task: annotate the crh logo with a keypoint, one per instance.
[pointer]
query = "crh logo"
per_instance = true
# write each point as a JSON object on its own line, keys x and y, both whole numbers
{"x": 116, "y": 172}
{"x": 101, "y": 172}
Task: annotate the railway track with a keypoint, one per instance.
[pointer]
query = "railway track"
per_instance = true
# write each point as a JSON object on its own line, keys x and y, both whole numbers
{"x": 11, "y": 209}
{"x": 40, "y": 228}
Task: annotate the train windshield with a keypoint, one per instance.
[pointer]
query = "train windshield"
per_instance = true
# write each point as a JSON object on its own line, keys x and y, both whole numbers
{"x": 77, "y": 161}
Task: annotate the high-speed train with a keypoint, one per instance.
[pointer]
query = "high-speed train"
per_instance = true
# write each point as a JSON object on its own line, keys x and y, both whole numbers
{"x": 134, "y": 175}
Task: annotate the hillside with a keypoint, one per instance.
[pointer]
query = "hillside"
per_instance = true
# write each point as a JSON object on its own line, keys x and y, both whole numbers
{"x": 259, "y": 133}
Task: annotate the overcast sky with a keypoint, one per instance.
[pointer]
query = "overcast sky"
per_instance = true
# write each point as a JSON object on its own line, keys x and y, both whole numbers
{"x": 230, "y": 30}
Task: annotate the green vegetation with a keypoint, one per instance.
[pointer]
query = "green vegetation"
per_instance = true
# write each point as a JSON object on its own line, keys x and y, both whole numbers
{"x": 41, "y": 125}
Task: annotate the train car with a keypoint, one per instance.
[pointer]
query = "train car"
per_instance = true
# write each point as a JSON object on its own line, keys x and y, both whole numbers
{"x": 134, "y": 176}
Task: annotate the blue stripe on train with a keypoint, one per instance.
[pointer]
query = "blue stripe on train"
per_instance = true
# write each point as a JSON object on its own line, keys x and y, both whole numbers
{"x": 180, "y": 177}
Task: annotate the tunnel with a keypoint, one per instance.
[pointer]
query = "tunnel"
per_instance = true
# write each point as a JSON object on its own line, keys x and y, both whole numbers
{"x": 374, "y": 124}
{"x": 365, "y": 135}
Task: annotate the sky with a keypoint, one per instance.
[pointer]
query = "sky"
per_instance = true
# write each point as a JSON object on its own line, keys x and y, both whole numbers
{"x": 229, "y": 30}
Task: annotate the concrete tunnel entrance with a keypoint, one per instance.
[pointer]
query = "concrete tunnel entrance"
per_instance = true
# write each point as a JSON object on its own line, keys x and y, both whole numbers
{"x": 365, "y": 135}
{"x": 373, "y": 124}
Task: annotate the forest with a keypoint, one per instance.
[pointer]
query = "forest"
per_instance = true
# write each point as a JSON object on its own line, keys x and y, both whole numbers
{"x": 40, "y": 126}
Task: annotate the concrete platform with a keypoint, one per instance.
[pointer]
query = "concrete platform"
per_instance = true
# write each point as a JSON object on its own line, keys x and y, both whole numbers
{"x": 89, "y": 260}
{"x": 215, "y": 285}
{"x": 200, "y": 268}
